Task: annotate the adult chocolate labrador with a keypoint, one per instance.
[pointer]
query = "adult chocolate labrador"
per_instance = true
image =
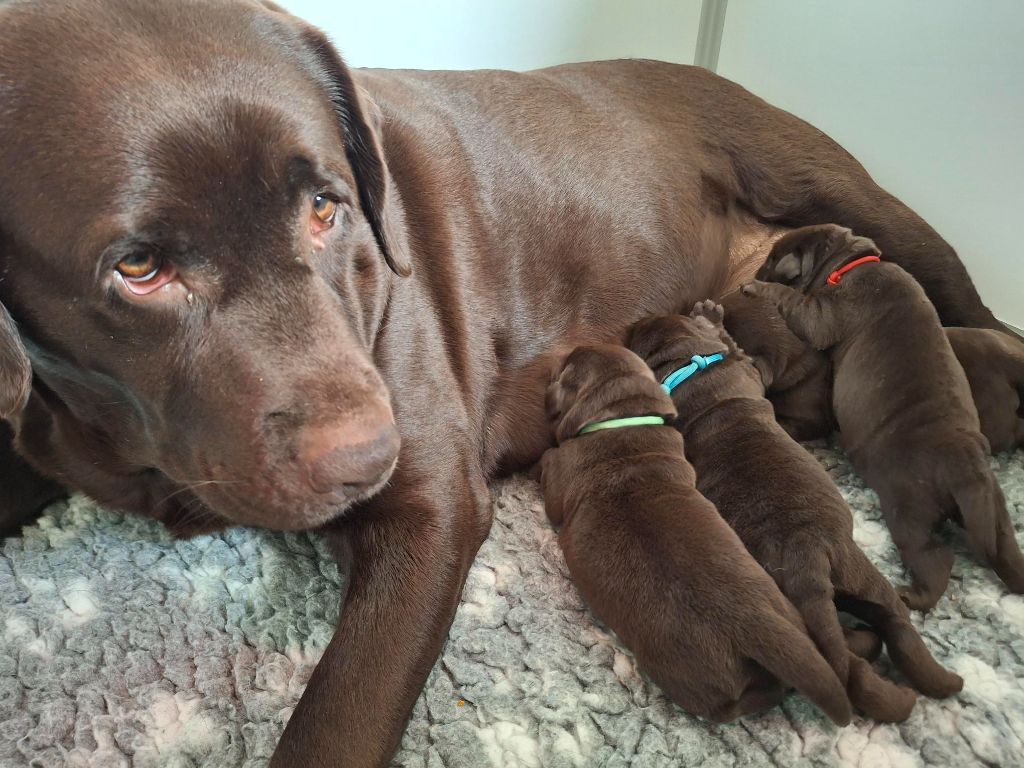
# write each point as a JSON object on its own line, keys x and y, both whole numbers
{"x": 247, "y": 283}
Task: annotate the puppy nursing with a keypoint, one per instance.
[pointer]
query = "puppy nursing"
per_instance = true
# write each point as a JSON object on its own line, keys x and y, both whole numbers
{"x": 708, "y": 539}
{"x": 784, "y": 507}
{"x": 654, "y": 559}
{"x": 901, "y": 400}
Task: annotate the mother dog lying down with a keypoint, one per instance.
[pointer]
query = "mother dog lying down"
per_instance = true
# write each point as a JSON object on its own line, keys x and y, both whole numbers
{"x": 262, "y": 289}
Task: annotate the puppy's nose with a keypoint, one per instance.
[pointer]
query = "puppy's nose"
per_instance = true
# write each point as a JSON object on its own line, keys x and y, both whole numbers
{"x": 348, "y": 456}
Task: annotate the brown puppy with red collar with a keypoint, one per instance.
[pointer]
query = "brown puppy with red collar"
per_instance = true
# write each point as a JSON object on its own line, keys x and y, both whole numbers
{"x": 653, "y": 558}
{"x": 783, "y": 506}
{"x": 901, "y": 399}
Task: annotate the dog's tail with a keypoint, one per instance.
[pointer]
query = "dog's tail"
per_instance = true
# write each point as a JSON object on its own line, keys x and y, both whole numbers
{"x": 797, "y": 663}
{"x": 989, "y": 529}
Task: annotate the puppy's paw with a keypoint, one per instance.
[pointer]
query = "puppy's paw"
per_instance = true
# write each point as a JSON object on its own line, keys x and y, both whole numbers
{"x": 709, "y": 310}
{"x": 917, "y": 599}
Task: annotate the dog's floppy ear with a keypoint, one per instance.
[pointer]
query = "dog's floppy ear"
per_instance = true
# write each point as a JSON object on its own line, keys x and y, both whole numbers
{"x": 359, "y": 119}
{"x": 15, "y": 368}
{"x": 792, "y": 261}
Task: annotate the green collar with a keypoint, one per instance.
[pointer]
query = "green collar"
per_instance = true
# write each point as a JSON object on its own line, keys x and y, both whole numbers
{"x": 629, "y": 421}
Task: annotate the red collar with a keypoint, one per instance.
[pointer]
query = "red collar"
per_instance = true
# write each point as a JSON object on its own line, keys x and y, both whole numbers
{"x": 836, "y": 276}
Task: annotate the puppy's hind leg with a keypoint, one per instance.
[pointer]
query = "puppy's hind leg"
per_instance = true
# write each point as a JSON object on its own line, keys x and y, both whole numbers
{"x": 990, "y": 530}
{"x": 863, "y": 592}
{"x": 806, "y": 579}
{"x": 927, "y": 560}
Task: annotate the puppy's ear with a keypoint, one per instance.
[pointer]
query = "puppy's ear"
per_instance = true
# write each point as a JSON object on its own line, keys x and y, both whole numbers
{"x": 553, "y": 400}
{"x": 794, "y": 266}
{"x": 359, "y": 120}
{"x": 15, "y": 368}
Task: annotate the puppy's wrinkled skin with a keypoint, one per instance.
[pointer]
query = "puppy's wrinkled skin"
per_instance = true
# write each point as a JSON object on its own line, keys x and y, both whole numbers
{"x": 994, "y": 365}
{"x": 901, "y": 399}
{"x": 656, "y": 562}
{"x": 797, "y": 377}
{"x": 785, "y": 509}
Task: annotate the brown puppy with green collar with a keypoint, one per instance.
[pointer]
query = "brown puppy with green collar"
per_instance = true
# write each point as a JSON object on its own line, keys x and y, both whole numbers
{"x": 653, "y": 558}
{"x": 783, "y": 506}
{"x": 900, "y": 397}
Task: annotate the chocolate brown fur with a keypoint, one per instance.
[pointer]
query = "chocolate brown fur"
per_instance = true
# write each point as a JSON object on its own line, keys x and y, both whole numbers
{"x": 785, "y": 509}
{"x": 656, "y": 562}
{"x": 573, "y": 201}
{"x": 797, "y": 377}
{"x": 901, "y": 399}
{"x": 994, "y": 365}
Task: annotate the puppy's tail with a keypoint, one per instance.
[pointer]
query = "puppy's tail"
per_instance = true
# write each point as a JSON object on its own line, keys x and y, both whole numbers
{"x": 989, "y": 529}
{"x": 790, "y": 655}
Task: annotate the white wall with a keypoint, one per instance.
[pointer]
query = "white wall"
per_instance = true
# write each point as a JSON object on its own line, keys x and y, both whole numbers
{"x": 928, "y": 94}
{"x": 504, "y": 34}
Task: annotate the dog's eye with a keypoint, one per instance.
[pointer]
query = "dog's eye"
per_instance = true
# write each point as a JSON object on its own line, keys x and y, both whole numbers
{"x": 139, "y": 267}
{"x": 325, "y": 209}
{"x": 145, "y": 273}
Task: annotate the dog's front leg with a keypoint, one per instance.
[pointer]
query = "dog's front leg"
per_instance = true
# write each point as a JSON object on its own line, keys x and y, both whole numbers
{"x": 406, "y": 556}
{"x": 806, "y": 315}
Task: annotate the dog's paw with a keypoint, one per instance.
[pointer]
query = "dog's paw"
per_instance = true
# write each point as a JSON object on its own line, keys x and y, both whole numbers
{"x": 709, "y": 310}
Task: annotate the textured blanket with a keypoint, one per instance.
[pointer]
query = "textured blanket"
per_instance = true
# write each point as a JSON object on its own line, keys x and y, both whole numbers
{"x": 120, "y": 646}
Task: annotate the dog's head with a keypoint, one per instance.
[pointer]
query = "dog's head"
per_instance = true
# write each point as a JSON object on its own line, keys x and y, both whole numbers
{"x": 196, "y": 229}
{"x": 805, "y": 257}
{"x": 600, "y": 382}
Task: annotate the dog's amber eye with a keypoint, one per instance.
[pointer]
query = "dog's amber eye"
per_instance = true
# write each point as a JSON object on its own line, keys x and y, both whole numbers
{"x": 140, "y": 267}
{"x": 325, "y": 209}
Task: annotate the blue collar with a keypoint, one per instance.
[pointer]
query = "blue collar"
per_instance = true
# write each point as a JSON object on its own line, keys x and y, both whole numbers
{"x": 698, "y": 363}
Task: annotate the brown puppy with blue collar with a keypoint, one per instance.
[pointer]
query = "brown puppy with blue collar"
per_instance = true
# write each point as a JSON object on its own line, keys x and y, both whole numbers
{"x": 653, "y": 558}
{"x": 900, "y": 397}
{"x": 783, "y": 506}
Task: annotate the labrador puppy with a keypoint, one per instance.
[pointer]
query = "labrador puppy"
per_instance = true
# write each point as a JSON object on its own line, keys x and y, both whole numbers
{"x": 994, "y": 365}
{"x": 901, "y": 399}
{"x": 653, "y": 558}
{"x": 797, "y": 377}
{"x": 783, "y": 506}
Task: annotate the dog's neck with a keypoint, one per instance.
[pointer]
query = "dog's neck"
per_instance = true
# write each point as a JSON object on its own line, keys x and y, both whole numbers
{"x": 733, "y": 380}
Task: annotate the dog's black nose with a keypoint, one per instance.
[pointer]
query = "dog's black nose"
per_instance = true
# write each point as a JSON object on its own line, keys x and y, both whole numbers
{"x": 348, "y": 457}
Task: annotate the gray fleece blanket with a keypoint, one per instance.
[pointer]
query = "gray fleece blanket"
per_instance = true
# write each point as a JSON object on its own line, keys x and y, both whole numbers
{"x": 120, "y": 646}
